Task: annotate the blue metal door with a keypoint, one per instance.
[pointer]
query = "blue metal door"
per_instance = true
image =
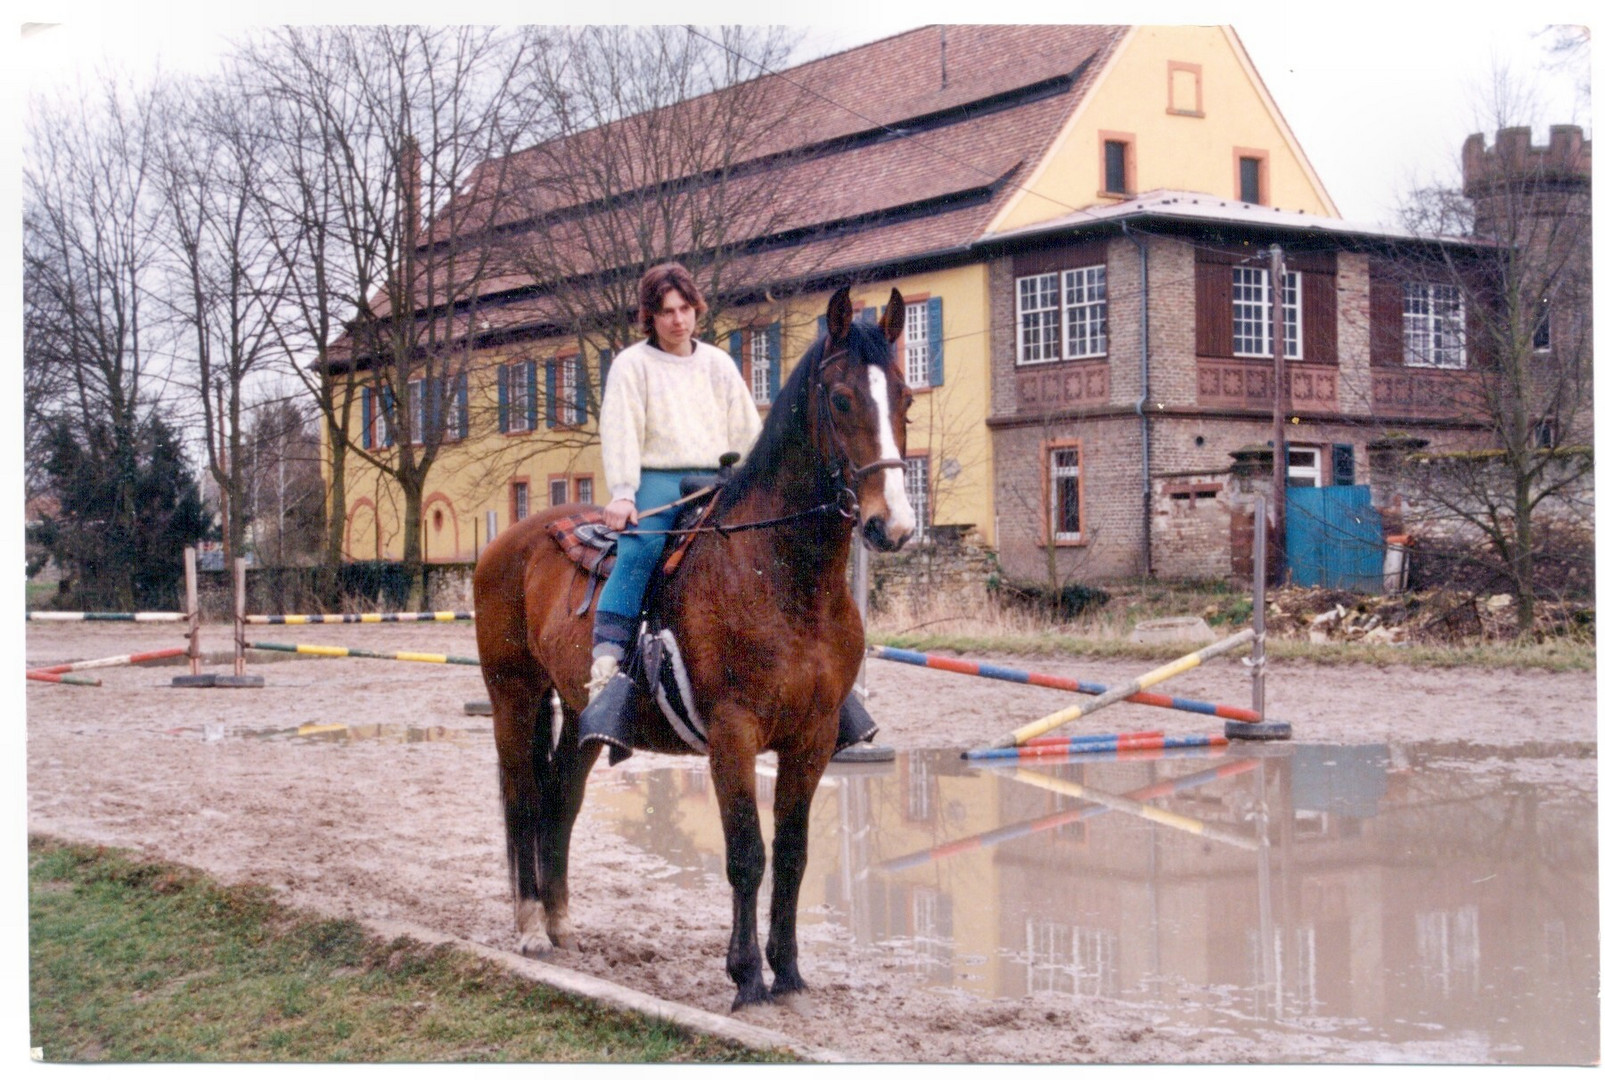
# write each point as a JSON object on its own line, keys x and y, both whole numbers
{"x": 1334, "y": 538}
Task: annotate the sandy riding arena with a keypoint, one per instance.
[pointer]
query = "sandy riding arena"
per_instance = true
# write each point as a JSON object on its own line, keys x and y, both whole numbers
{"x": 359, "y": 787}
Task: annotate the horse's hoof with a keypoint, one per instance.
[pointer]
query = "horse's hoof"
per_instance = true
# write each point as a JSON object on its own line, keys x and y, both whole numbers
{"x": 530, "y": 922}
{"x": 757, "y": 996}
{"x": 787, "y": 984}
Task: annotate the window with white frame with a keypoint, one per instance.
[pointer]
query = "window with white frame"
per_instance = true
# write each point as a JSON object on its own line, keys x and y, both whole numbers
{"x": 1064, "y": 493}
{"x": 415, "y": 409}
{"x": 1063, "y": 315}
{"x": 762, "y": 392}
{"x": 518, "y": 392}
{"x": 583, "y": 489}
{"x": 520, "y": 501}
{"x": 917, "y": 345}
{"x": 558, "y": 489}
{"x": 1037, "y": 300}
{"x": 1303, "y": 466}
{"x": 490, "y": 526}
{"x": 917, "y": 477}
{"x": 568, "y": 383}
{"x": 1542, "y": 338}
{"x": 1251, "y": 313}
{"x": 1086, "y": 312}
{"x": 1434, "y": 326}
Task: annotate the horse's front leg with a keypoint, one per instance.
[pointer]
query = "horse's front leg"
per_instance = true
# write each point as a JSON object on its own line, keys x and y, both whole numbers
{"x": 795, "y": 785}
{"x": 732, "y": 752}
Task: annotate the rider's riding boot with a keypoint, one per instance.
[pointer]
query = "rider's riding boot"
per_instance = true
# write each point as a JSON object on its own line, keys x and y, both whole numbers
{"x": 603, "y": 718}
{"x": 853, "y": 724}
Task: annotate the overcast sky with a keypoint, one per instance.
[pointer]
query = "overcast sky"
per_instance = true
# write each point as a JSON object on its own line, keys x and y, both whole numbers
{"x": 1379, "y": 95}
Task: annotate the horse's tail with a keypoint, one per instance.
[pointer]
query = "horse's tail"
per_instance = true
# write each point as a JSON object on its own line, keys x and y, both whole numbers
{"x": 521, "y": 798}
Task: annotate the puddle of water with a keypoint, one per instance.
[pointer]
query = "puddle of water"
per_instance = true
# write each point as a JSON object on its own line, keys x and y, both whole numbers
{"x": 1384, "y": 895}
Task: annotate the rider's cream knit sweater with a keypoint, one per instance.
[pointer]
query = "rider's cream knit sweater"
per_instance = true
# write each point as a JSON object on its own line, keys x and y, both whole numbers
{"x": 662, "y": 411}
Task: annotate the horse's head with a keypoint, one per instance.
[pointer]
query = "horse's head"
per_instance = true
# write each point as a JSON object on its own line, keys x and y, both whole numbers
{"x": 862, "y": 406}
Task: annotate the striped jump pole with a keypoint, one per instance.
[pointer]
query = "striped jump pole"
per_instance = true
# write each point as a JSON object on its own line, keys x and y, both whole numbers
{"x": 1124, "y": 691}
{"x": 370, "y": 617}
{"x": 1095, "y": 744}
{"x": 56, "y": 677}
{"x": 110, "y": 661}
{"x": 1056, "y": 682}
{"x": 1061, "y": 818}
{"x": 107, "y": 616}
{"x": 1121, "y": 804}
{"x": 338, "y": 651}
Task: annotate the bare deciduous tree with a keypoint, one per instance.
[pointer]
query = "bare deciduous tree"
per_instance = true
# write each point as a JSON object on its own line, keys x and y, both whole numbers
{"x": 1518, "y": 318}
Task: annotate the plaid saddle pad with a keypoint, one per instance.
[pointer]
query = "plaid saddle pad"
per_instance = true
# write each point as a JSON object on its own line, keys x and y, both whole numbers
{"x": 585, "y": 539}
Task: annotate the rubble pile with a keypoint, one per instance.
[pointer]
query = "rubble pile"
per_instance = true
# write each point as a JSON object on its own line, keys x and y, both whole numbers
{"x": 1431, "y": 617}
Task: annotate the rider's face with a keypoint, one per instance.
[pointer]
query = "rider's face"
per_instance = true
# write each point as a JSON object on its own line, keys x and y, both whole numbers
{"x": 674, "y": 323}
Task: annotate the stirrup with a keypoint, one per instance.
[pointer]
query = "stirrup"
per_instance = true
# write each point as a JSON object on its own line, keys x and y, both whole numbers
{"x": 603, "y": 720}
{"x": 853, "y": 723}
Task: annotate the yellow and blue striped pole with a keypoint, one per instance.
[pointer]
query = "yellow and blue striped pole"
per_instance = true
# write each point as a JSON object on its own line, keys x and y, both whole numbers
{"x": 1020, "y": 736}
{"x": 337, "y": 651}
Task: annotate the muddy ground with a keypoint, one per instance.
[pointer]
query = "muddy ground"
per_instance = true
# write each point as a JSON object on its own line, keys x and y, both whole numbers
{"x": 411, "y": 831}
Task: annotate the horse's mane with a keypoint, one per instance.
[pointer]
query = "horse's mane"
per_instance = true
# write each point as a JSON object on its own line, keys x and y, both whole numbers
{"x": 787, "y": 422}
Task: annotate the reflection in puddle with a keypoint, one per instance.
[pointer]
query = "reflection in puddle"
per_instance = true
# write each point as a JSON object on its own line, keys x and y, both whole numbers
{"x": 1385, "y": 895}
{"x": 344, "y": 733}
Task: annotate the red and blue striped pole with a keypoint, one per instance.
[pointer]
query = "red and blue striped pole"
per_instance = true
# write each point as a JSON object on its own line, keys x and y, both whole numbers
{"x": 1056, "y": 682}
{"x": 1096, "y": 744}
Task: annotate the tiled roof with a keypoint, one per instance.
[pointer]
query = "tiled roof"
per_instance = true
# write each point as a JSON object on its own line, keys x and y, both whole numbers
{"x": 956, "y": 151}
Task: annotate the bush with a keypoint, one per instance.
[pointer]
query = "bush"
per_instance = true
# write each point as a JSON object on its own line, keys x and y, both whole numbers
{"x": 1067, "y": 602}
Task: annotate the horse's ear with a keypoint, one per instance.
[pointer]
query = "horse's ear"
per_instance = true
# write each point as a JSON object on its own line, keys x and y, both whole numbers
{"x": 839, "y": 315}
{"x": 892, "y": 318}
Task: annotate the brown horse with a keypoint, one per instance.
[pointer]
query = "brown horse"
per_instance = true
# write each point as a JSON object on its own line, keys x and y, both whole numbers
{"x": 767, "y": 627}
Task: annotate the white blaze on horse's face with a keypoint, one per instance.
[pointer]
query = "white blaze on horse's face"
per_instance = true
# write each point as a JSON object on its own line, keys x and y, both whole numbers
{"x": 899, "y": 521}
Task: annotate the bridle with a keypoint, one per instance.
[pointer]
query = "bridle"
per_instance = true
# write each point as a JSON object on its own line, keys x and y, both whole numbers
{"x": 843, "y": 467}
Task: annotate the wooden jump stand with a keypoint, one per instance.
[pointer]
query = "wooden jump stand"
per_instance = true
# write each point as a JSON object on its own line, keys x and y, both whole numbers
{"x": 196, "y": 679}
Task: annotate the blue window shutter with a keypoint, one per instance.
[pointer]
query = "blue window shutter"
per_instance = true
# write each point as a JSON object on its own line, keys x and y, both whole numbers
{"x": 933, "y": 332}
{"x": 551, "y": 393}
{"x": 774, "y": 359}
{"x": 462, "y": 405}
{"x": 502, "y": 371}
{"x": 387, "y": 403}
{"x": 735, "y": 352}
{"x": 607, "y": 368}
{"x": 824, "y": 327}
{"x": 367, "y": 418}
{"x": 1342, "y": 464}
{"x": 866, "y": 316}
{"x": 531, "y": 411}
{"x": 580, "y": 396}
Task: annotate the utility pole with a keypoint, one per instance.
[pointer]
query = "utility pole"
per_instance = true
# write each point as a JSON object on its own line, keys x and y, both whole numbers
{"x": 1278, "y": 409}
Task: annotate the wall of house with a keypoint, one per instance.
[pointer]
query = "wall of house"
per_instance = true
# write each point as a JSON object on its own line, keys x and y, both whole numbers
{"x": 947, "y": 423}
{"x": 1178, "y": 148}
{"x": 476, "y": 475}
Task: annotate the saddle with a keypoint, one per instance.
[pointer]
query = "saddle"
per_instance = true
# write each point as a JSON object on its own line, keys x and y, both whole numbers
{"x": 588, "y": 542}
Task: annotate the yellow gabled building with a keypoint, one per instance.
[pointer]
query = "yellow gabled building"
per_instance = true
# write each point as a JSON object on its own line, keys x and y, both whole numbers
{"x": 928, "y": 143}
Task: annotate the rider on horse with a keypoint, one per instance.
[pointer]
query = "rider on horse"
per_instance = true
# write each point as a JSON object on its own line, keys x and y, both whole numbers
{"x": 672, "y": 406}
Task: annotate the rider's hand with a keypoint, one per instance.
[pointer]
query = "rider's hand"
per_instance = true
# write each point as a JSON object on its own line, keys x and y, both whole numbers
{"x": 620, "y": 513}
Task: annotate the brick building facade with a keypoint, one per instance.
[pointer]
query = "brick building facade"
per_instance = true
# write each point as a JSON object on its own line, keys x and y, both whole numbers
{"x": 1115, "y": 451}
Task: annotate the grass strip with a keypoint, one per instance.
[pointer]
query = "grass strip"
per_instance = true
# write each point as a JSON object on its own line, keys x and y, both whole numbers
{"x": 138, "y": 961}
{"x": 1555, "y": 655}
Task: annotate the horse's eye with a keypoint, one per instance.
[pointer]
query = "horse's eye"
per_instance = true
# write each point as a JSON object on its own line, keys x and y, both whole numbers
{"x": 842, "y": 402}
